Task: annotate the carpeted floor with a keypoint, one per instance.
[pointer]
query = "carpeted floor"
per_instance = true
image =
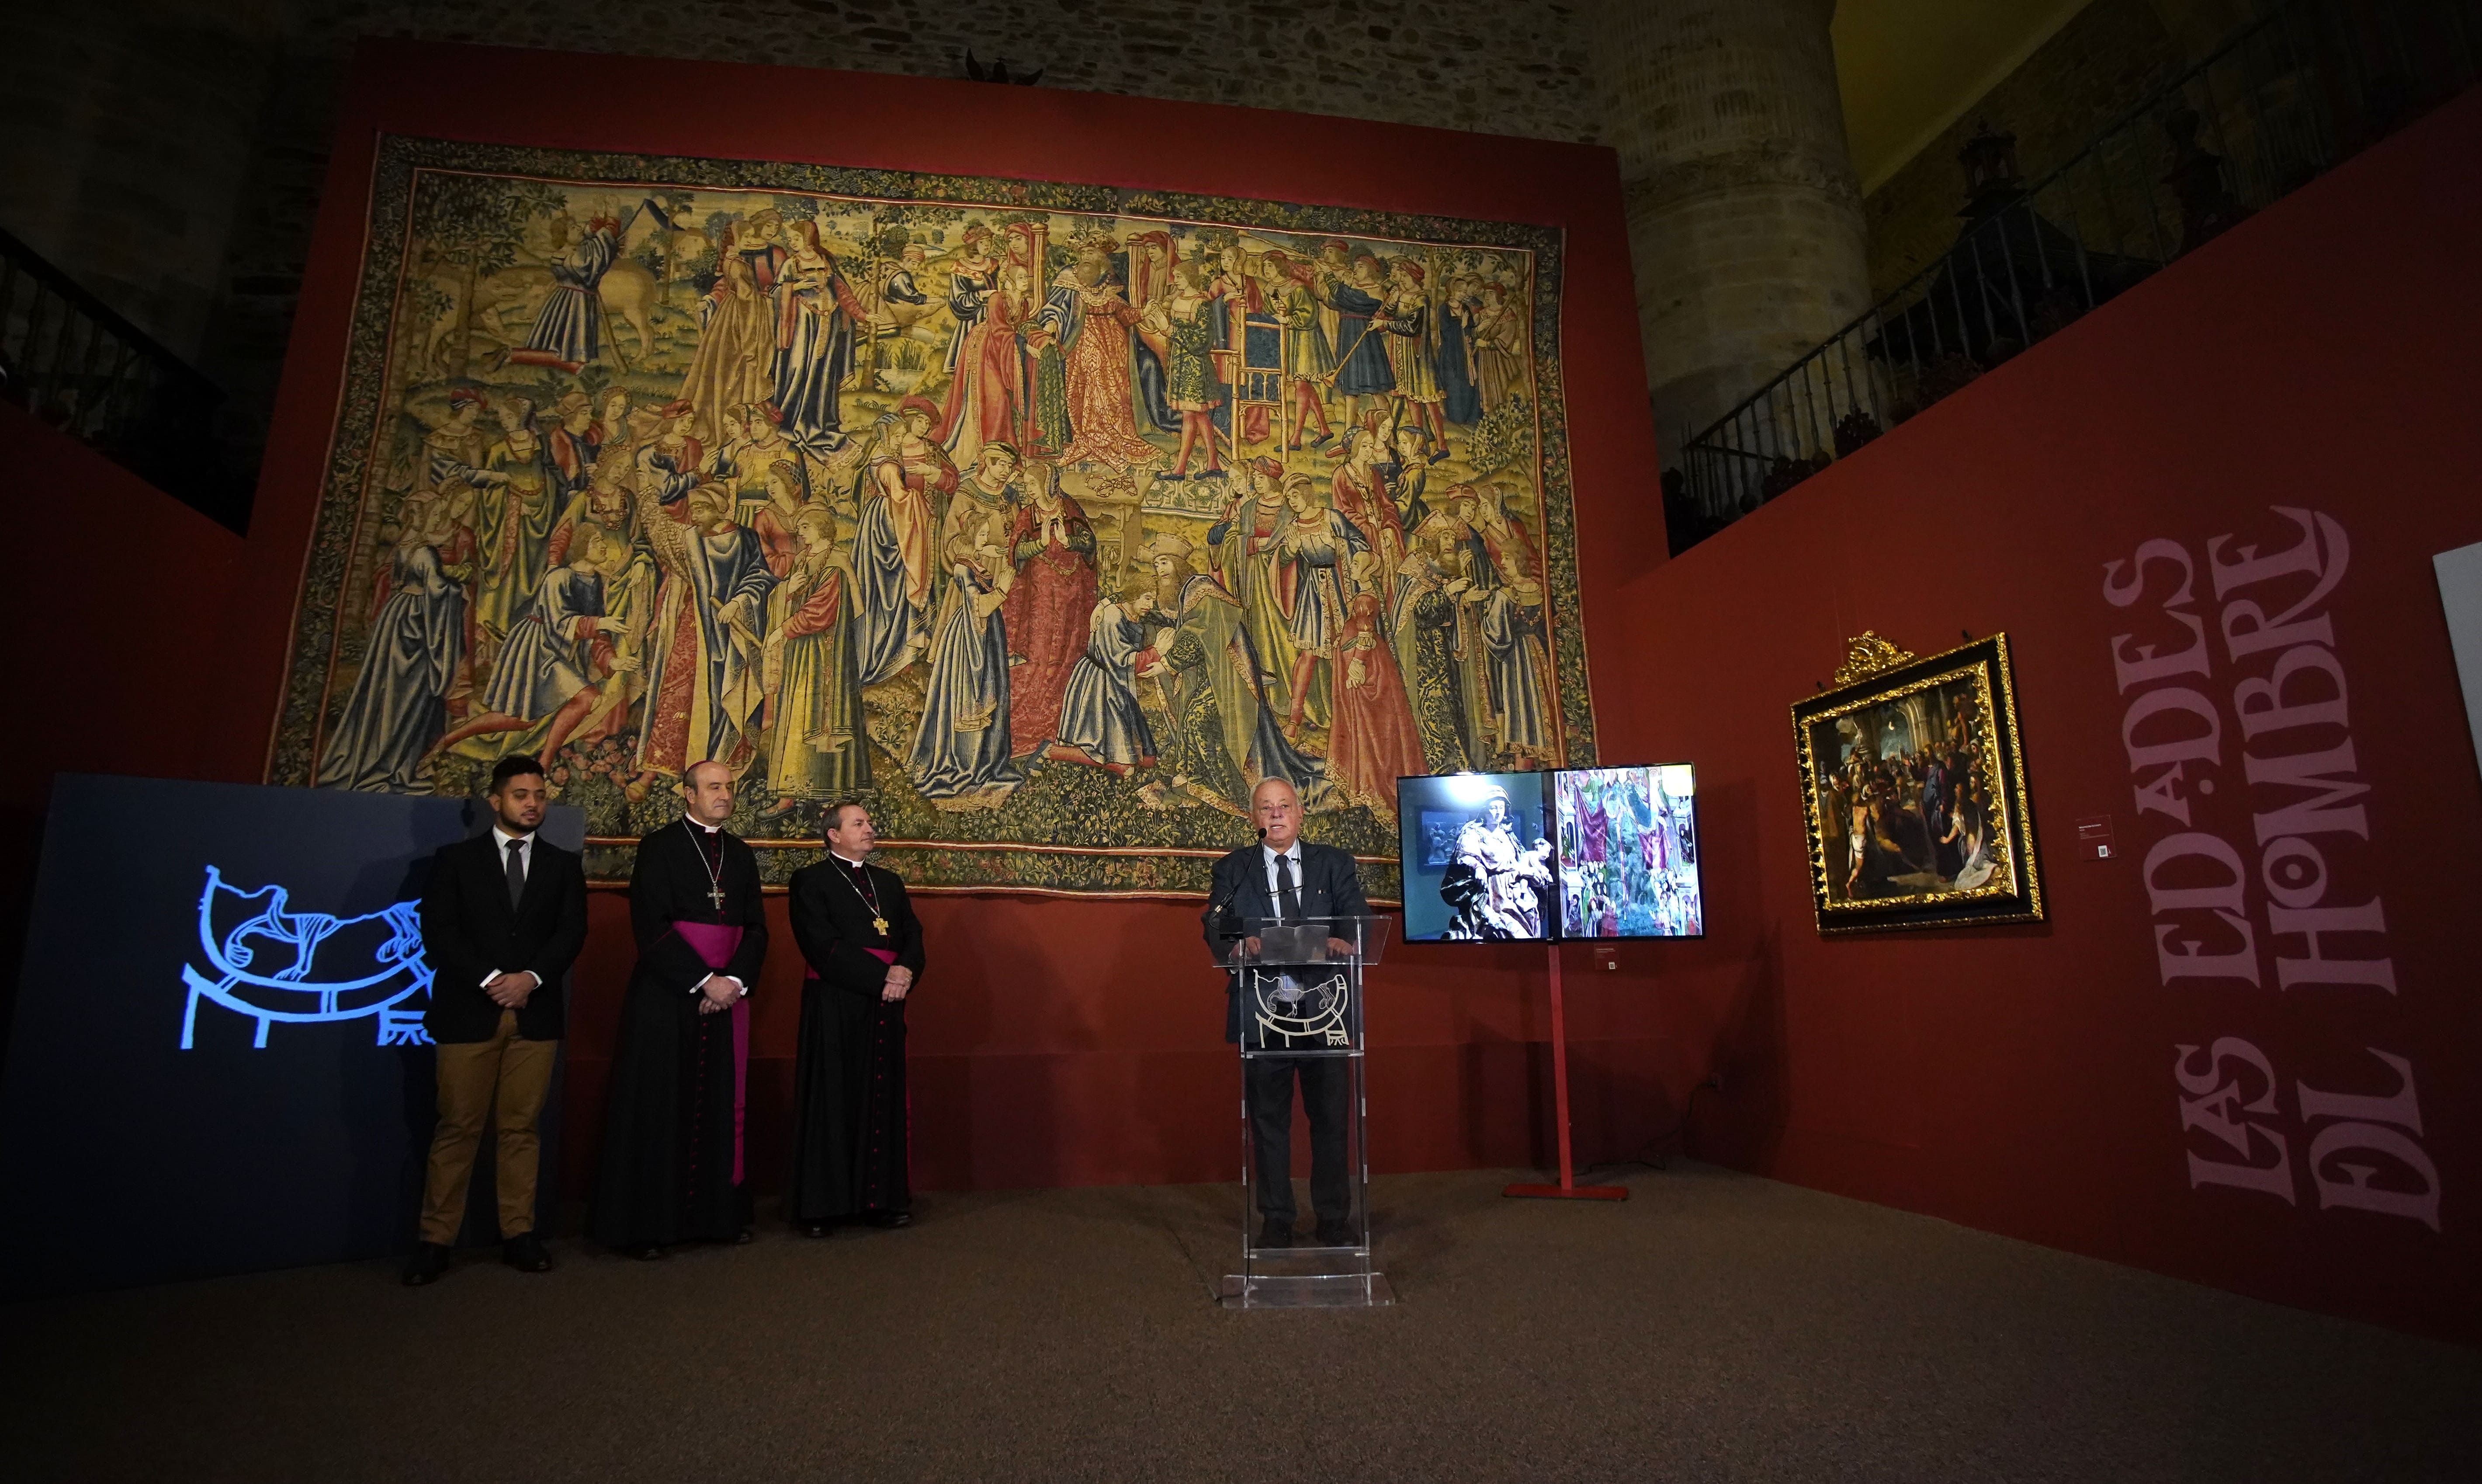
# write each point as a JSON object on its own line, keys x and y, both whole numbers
{"x": 1716, "y": 1326}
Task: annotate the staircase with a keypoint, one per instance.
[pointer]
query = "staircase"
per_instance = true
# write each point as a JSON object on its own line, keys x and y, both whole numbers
{"x": 2283, "y": 100}
{"x": 67, "y": 357}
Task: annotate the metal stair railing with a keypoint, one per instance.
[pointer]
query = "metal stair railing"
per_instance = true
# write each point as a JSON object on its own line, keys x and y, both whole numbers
{"x": 71, "y": 360}
{"x": 2277, "y": 104}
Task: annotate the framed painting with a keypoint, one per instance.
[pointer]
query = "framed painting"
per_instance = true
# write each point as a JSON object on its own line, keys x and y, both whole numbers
{"x": 1914, "y": 791}
{"x": 1045, "y": 519}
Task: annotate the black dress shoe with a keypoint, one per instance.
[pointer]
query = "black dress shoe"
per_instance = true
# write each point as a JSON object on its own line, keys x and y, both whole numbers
{"x": 1275, "y": 1232}
{"x": 643, "y": 1252}
{"x": 525, "y": 1251}
{"x": 1337, "y": 1233}
{"x": 888, "y": 1220}
{"x": 430, "y": 1261}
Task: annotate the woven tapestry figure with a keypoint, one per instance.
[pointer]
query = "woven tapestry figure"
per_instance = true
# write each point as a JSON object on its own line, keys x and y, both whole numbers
{"x": 1048, "y": 531}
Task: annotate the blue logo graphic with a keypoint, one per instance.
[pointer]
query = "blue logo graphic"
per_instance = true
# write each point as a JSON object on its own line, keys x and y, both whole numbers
{"x": 302, "y": 967}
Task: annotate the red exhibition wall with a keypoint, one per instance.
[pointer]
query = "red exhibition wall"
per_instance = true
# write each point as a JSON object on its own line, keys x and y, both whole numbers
{"x": 2027, "y": 1081}
{"x": 1055, "y": 1041}
{"x": 2170, "y": 1072}
{"x": 120, "y": 669}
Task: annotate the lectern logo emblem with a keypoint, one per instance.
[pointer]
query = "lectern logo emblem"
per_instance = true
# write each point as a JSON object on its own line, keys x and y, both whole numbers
{"x": 1298, "y": 1007}
{"x": 301, "y": 967}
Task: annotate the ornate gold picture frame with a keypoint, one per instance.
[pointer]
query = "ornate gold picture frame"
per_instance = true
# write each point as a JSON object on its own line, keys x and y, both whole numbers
{"x": 1914, "y": 791}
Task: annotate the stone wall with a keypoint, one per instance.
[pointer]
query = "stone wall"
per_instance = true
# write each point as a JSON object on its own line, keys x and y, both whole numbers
{"x": 213, "y": 119}
{"x": 170, "y": 153}
{"x": 1494, "y": 68}
{"x": 124, "y": 135}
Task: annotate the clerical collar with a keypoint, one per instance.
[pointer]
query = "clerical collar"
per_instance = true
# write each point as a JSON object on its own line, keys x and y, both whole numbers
{"x": 693, "y": 823}
{"x": 846, "y": 859}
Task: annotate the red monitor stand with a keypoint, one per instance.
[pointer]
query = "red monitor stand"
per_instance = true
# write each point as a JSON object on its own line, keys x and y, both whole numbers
{"x": 1568, "y": 1190}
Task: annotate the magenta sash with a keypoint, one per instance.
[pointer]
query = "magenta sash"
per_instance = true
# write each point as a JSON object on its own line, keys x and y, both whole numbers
{"x": 714, "y": 943}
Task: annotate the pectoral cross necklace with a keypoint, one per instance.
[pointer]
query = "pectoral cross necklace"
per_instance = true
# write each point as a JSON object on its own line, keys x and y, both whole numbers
{"x": 878, "y": 922}
{"x": 714, "y": 882}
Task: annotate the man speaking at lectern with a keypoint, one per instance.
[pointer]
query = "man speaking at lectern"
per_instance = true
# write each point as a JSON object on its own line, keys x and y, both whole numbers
{"x": 1288, "y": 878}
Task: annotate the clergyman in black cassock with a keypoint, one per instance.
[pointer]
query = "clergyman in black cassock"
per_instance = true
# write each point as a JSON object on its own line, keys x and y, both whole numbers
{"x": 863, "y": 947}
{"x": 1286, "y": 878}
{"x": 673, "y": 1167}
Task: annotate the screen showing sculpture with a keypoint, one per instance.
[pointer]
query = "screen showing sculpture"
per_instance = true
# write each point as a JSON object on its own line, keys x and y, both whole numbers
{"x": 1477, "y": 857}
{"x": 1629, "y": 852}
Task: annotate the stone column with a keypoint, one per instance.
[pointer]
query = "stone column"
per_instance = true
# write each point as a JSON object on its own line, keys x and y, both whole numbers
{"x": 1744, "y": 216}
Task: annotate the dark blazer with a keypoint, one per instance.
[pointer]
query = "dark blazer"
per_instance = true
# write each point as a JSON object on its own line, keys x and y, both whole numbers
{"x": 1330, "y": 886}
{"x": 832, "y": 925}
{"x": 470, "y": 930}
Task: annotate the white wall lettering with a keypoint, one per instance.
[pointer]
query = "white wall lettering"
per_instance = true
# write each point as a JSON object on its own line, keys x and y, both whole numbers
{"x": 2307, "y": 892}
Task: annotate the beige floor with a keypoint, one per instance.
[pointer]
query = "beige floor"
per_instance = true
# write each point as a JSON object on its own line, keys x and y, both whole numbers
{"x": 1714, "y": 1327}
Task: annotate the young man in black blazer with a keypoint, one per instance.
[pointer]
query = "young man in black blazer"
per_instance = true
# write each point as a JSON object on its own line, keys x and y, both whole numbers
{"x": 1286, "y": 878}
{"x": 502, "y": 918}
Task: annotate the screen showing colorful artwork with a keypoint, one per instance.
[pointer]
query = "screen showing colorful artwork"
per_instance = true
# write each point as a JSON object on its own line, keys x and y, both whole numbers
{"x": 1629, "y": 852}
{"x": 1477, "y": 857}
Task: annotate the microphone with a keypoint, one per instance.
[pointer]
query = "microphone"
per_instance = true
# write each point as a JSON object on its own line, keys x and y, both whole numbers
{"x": 1214, "y": 909}
{"x": 1215, "y": 915}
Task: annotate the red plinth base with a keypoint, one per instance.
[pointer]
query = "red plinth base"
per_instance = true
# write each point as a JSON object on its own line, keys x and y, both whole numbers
{"x": 1569, "y": 1192}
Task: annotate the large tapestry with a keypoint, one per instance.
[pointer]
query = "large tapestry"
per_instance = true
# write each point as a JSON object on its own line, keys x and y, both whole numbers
{"x": 1046, "y": 520}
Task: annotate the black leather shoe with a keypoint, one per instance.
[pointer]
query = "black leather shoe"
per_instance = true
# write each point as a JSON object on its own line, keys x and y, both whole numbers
{"x": 888, "y": 1220}
{"x": 1337, "y": 1233}
{"x": 643, "y": 1252}
{"x": 816, "y": 1228}
{"x": 427, "y": 1266}
{"x": 1275, "y": 1232}
{"x": 526, "y": 1253}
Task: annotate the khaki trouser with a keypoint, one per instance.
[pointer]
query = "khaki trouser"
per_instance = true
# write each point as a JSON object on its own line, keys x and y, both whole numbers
{"x": 472, "y": 1075}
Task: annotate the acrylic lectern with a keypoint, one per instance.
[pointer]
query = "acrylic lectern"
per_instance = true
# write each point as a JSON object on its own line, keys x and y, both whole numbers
{"x": 1299, "y": 989}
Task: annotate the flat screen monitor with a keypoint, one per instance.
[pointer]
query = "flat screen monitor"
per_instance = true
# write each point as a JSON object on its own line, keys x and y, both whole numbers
{"x": 1629, "y": 852}
{"x": 1477, "y": 857}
